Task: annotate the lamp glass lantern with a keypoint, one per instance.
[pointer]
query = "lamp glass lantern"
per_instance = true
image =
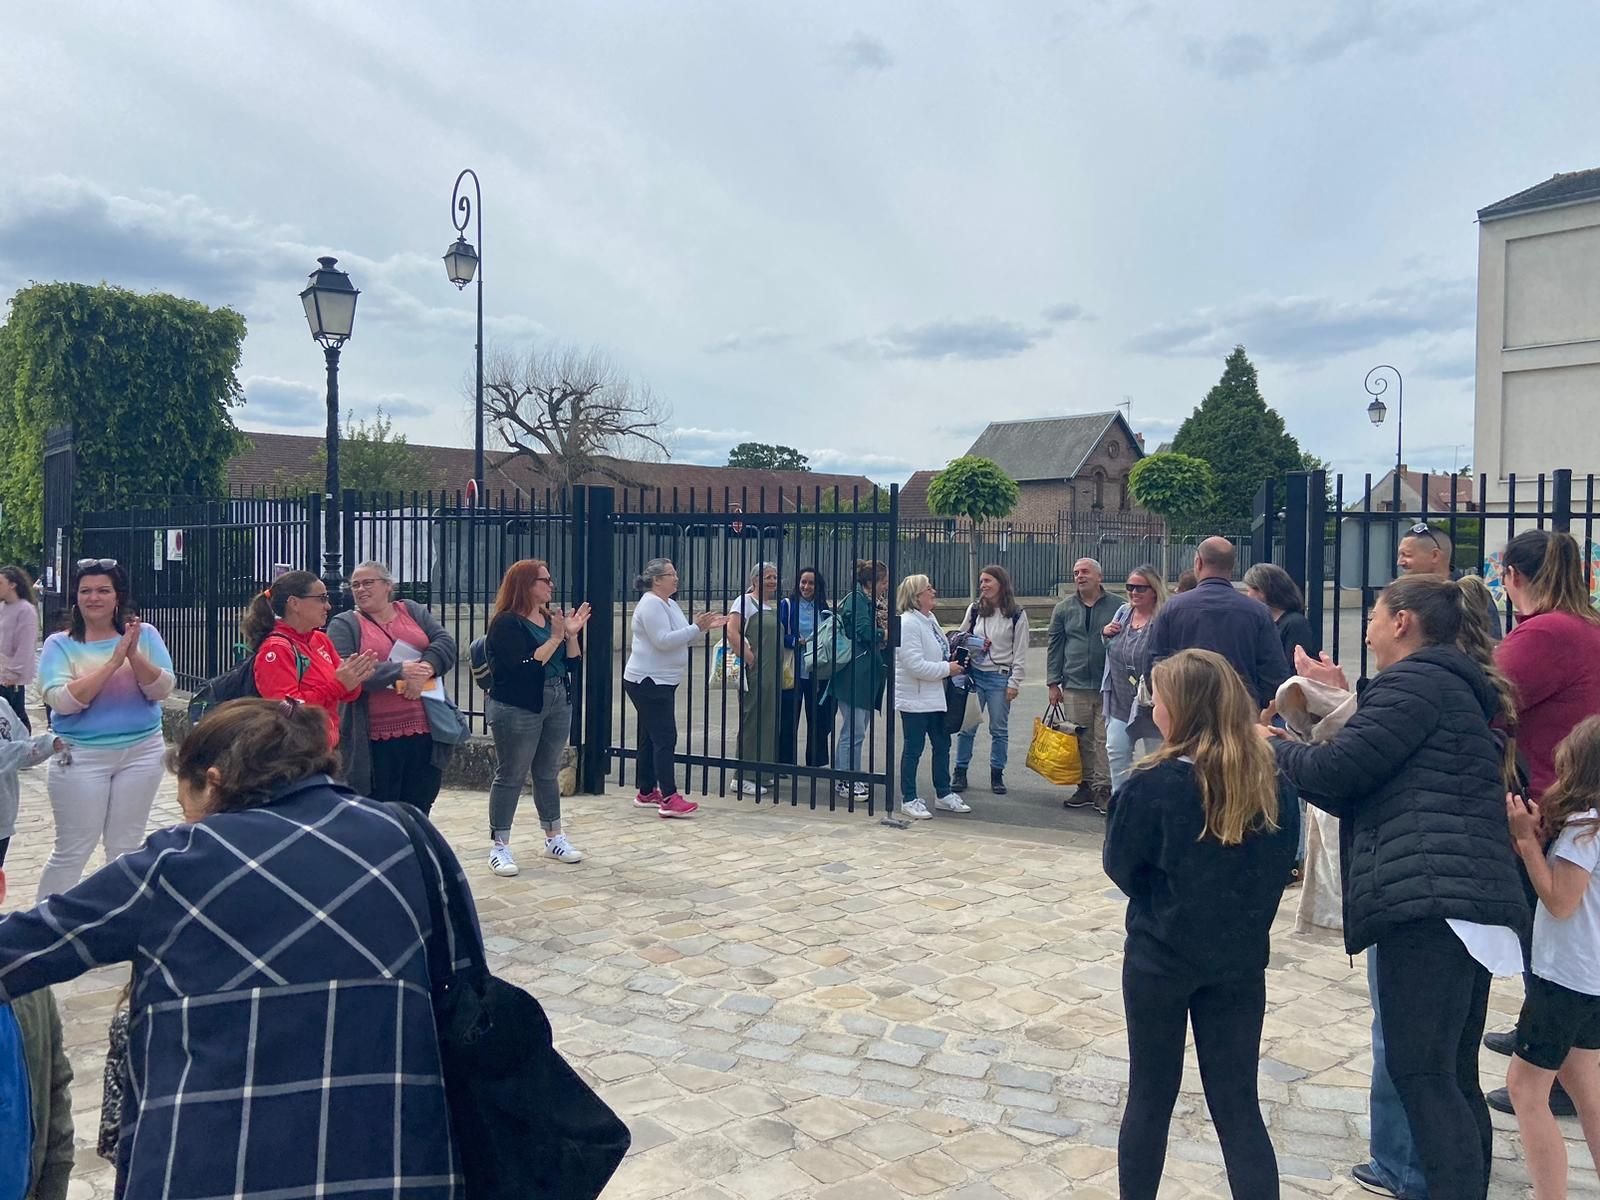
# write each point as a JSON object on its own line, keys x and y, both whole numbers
{"x": 330, "y": 303}
{"x": 1376, "y": 411}
{"x": 461, "y": 262}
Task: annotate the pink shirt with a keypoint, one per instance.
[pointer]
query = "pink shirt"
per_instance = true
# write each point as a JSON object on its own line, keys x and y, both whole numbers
{"x": 19, "y": 643}
{"x": 1553, "y": 659}
{"x": 389, "y": 714}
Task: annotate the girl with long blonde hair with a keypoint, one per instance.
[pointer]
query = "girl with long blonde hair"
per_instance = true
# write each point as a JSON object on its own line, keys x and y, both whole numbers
{"x": 1194, "y": 840}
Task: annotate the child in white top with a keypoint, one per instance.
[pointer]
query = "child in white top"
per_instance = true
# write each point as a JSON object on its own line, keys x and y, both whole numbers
{"x": 1558, "y": 1033}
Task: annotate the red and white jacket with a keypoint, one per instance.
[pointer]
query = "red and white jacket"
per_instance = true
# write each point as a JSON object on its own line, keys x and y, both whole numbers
{"x": 279, "y": 674}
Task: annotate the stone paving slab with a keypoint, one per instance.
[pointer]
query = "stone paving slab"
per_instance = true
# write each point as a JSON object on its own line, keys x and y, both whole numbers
{"x": 794, "y": 1004}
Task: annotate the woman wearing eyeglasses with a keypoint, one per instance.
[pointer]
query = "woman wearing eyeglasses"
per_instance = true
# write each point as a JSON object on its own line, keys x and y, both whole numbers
{"x": 294, "y": 659}
{"x": 104, "y": 678}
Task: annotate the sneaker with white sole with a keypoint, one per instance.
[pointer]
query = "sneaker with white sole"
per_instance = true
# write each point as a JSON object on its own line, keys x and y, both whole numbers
{"x": 952, "y": 803}
{"x": 650, "y": 799}
{"x": 861, "y": 790}
{"x": 842, "y": 790}
{"x": 916, "y": 810}
{"x": 562, "y": 850}
{"x": 752, "y": 789}
{"x": 500, "y": 860}
{"x": 676, "y": 806}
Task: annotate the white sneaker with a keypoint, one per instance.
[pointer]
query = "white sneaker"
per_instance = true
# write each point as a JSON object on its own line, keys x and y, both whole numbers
{"x": 842, "y": 790}
{"x": 751, "y": 789}
{"x": 861, "y": 790}
{"x": 500, "y": 860}
{"x": 916, "y": 810}
{"x": 562, "y": 850}
{"x": 952, "y": 803}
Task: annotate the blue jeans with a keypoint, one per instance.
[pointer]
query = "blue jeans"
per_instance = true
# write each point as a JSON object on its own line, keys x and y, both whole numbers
{"x": 1394, "y": 1153}
{"x": 991, "y": 687}
{"x": 1121, "y": 751}
{"x": 854, "y": 726}
{"x": 917, "y": 727}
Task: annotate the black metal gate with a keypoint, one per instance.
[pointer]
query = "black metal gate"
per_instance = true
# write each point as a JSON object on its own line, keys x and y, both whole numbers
{"x": 716, "y": 542}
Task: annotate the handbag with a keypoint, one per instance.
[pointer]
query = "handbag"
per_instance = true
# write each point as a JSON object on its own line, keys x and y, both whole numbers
{"x": 726, "y": 666}
{"x": 955, "y": 706}
{"x": 447, "y": 723}
{"x": 525, "y": 1125}
{"x": 1142, "y": 719}
{"x": 1054, "y": 752}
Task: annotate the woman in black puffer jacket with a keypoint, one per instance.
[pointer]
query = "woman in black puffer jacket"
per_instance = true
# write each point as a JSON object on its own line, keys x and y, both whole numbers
{"x": 1418, "y": 780}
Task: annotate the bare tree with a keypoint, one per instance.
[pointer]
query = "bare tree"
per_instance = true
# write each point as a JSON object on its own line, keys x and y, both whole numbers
{"x": 574, "y": 408}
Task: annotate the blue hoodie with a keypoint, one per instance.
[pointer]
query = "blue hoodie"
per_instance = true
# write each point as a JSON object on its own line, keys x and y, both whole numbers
{"x": 16, "y": 1111}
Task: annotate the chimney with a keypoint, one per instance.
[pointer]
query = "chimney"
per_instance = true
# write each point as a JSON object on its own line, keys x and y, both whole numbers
{"x": 1140, "y": 436}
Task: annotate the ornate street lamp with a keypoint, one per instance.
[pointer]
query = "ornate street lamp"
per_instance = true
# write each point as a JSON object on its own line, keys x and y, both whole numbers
{"x": 330, "y": 303}
{"x": 1376, "y": 386}
{"x": 461, "y": 264}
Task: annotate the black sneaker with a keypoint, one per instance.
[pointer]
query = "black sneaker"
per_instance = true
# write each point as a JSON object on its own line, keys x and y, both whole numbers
{"x": 1082, "y": 798}
{"x": 1560, "y": 1103}
{"x": 1363, "y": 1174}
{"x": 1501, "y": 1043}
{"x": 997, "y": 782}
{"x": 958, "y": 781}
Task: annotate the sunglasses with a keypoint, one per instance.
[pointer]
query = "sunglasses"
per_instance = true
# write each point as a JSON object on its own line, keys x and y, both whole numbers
{"x": 1423, "y": 529}
{"x": 316, "y": 597}
{"x": 550, "y": 579}
{"x": 96, "y": 564}
{"x": 1138, "y": 587}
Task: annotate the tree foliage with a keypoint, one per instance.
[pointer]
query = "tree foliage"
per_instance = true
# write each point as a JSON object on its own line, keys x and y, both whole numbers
{"x": 1245, "y": 441}
{"x": 975, "y": 488}
{"x": 146, "y": 381}
{"x": 1176, "y": 486}
{"x": 575, "y": 409}
{"x": 372, "y": 459}
{"x": 763, "y": 456}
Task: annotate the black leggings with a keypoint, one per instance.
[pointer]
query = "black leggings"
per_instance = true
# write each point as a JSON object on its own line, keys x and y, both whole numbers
{"x": 658, "y": 734}
{"x": 1227, "y": 1042}
{"x": 806, "y": 697}
{"x": 403, "y": 771}
{"x": 1433, "y": 998}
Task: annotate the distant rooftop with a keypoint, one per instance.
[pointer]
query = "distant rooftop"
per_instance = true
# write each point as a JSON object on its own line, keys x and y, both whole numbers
{"x": 1570, "y": 187}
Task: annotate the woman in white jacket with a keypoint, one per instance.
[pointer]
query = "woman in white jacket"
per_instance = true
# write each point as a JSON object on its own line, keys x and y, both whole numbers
{"x": 921, "y": 665}
{"x": 662, "y": 636}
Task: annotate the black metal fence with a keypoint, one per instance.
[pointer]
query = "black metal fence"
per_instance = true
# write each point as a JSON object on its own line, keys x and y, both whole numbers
{"x": 1344, "y": 555}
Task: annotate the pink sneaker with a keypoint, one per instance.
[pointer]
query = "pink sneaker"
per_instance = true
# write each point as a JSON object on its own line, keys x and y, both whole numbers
{"x": 650, "y": 799}
{"x": 676, "y": 806}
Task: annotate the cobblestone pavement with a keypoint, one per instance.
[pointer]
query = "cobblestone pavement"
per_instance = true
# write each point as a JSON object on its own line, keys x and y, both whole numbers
{"x": 796, "y": 1004}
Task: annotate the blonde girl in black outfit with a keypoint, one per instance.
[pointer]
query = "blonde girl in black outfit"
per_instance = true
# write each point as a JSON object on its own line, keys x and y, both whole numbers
{"x": 1195, "y": 841}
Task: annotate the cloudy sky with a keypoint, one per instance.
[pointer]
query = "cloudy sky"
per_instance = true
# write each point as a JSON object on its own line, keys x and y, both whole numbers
{"x": 861, "y": 229}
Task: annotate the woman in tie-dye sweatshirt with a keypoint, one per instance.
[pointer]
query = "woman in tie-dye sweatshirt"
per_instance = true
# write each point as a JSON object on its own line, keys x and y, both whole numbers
{"x": 105, "y": 679}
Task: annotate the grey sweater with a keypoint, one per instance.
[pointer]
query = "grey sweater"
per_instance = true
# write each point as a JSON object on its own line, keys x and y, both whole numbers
{"x": 17, "y": 750}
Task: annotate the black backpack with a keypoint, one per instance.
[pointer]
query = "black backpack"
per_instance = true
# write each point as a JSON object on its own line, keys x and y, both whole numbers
{"x": 237, "y": 683}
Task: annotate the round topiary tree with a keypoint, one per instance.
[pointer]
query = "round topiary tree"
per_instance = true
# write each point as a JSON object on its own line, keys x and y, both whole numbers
{"x": 975, "y": 488}
{"x": 1175, "y": 487}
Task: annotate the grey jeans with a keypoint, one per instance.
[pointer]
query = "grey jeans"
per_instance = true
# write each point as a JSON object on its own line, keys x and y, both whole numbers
{"x": 527, "y": 741}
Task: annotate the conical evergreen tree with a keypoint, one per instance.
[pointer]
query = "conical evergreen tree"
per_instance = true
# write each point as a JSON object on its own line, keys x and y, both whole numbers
{"x": 1241, "y": 437}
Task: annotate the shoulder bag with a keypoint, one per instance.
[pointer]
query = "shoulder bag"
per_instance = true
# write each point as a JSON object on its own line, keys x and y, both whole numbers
{"x": 526, "y": 1126}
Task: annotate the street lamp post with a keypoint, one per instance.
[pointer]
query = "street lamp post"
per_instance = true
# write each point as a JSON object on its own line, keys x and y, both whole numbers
{"x": 1377, "y": 410}
{"x": 461, "y": 262}
{"x": 330, "y": 303}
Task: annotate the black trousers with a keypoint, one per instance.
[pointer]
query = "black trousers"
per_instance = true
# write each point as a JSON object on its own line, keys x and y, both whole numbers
{"x": 805, "y": 697}
{"x": 1433, "y": 998}
{"x": 656, "y": 704}
{"x": 403, "y": 770}
{"x": 17, "y": 697}
{"x": 1227, "y": 1021}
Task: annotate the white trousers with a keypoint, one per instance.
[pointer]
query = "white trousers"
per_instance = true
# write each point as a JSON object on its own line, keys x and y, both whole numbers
{"x": 101, "y": 794}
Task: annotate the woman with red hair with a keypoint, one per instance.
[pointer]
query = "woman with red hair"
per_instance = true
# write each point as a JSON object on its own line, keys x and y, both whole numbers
{"x": 533, "y": 656}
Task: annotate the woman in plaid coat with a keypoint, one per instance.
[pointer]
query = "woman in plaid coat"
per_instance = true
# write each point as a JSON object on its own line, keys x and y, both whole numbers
{"x": 282, "y": 1040}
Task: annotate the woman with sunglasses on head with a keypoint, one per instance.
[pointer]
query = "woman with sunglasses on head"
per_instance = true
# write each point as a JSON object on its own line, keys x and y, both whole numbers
{"x": 19, "y": 640}
{"x": 104, "y": 678}
{"x": 534, "y": 653}
{"x": 294, "y": 658}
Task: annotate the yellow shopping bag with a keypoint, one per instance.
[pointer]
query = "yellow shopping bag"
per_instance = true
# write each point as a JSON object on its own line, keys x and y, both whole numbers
{"x": 1053, "y": 752}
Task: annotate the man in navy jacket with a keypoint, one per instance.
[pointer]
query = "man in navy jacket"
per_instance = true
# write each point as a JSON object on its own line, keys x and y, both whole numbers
{"x": 1216, "y": 617}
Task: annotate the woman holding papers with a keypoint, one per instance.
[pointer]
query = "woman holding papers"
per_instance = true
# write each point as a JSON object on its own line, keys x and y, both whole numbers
{"x": 388, "y": 745}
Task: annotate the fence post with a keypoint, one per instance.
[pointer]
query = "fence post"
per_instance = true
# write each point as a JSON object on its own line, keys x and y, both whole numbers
{"x": 1561, "y": 502}
{"x": 347, "y": 540}
{"x": 892, "y": 564}
{"x": 314, "y": 532}
{"x": 211, "y": 547}
{"x": 1295, "y": 524}
{"x": 600, "y": 587}
{"x": 1316, "y": 551}
{"x": 1263, "y": 530}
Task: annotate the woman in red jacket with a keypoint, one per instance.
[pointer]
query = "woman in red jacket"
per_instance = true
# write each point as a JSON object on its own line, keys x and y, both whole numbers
{"x": 293, "y": 657}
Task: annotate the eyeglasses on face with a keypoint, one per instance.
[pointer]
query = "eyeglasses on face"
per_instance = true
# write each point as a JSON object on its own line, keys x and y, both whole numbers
{"x": 550, "y": 579}
{"x": 360, "y": 585}
{"x": 96, "y": 564}
{"x": 316, "y": 597}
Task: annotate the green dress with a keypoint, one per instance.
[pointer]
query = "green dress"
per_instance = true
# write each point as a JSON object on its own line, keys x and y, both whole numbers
{"x": 860, "y": 683}
{"x": 760, "y": 700}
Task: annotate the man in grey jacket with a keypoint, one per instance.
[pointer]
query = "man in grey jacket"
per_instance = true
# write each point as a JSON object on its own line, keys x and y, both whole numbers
{"x": 1075, "y": 665}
